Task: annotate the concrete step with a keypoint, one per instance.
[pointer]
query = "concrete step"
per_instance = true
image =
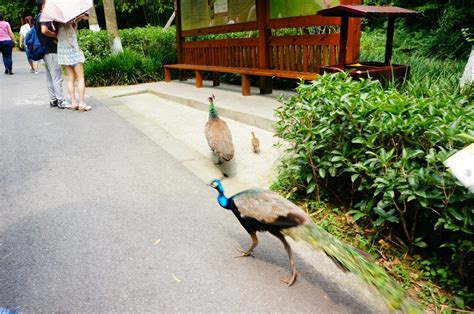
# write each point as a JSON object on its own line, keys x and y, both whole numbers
{"x": 179, "y": 129}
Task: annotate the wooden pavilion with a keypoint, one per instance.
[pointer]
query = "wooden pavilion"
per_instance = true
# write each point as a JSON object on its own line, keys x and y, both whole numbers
{"x": 267, "y": 55}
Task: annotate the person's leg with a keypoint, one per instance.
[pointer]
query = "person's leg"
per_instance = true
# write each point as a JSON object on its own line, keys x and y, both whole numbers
{"x": 30, "y": 62}
{"x": 49, "y": 64}
{"x": 79, "y": 71}
{"x": 57, "y": 76}
{"x": 70, "y": 85}
{"x": 8, "y": 57}
{"x": 35, "y": 66}
{"x": 3, "y": 51}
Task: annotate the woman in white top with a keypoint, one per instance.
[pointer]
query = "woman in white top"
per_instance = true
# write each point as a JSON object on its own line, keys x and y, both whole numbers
{"x": 71, "y": 57}
{"x": 23, "y": 31}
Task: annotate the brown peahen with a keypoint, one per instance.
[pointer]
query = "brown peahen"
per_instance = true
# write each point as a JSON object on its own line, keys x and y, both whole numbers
{"x": 255, "y": 143}
{"x": 218, "y": 135}
{"x": 262, "y": 210}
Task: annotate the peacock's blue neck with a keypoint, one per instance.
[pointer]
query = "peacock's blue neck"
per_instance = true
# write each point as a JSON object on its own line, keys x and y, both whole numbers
{"x": 221, "y": 198}
{"x": 223, "y": 201}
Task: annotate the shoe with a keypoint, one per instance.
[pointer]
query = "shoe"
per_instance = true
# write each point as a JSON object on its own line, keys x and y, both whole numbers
{"x": 37, "y": 72}
{"x": 74, "y": 107}
{"x": 6, "y": 71}
{"x": 53, "y": 103}
{"x": 64, "y": 105}
{"x": 32, "y": 70}
{"x": 85, "y": 108}
{"x": 11, "y": 73}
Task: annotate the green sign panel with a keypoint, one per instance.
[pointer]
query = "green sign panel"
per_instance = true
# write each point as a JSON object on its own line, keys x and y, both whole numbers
{"x": 291, "y": 8}
{"x": 207, "y": 13}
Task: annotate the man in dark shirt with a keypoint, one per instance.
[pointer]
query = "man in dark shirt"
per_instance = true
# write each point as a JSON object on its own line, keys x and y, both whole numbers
{"x": 54, "y": 73}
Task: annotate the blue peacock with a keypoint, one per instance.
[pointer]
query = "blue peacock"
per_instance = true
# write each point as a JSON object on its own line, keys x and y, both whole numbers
{"x": 263, "y": 210}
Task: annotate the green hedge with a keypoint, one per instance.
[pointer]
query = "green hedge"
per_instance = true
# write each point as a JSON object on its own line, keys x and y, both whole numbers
{"x": 380, "y": 153}
{"x": 145, "y": 48}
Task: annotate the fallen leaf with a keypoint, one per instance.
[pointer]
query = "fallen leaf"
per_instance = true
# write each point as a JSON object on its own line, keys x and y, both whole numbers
{"x": 176, "y": 278}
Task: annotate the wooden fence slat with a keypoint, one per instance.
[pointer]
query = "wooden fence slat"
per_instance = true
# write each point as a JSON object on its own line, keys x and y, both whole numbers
{"x": 305, "y": 58}
{"x": 318, "y": 58}
{"x": 282, "y": 57}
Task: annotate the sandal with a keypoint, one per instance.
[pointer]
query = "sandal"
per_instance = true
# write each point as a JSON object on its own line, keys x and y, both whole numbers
{"x": 84, "y": 108}
{"x": 74, "y": 107}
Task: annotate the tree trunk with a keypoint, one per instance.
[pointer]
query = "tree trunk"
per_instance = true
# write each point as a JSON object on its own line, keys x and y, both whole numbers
{"x": 468, "y": 74}
{"x": 93, "y": 22}
{"x": 171, "y": 19}
{"x": 111, "y": 24}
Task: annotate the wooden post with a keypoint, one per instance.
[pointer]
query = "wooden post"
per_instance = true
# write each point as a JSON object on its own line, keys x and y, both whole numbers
{"x": 263, "y": 9}
{"x": 389, "y": 42}
{"x": 353, "y": 36}
{"x": 179, "y": 37}
{"x": 245, "y": 85}
{"x": 343, "y": 42}
{"x": 167, "y": 75}
{"x": 198, "y": 76}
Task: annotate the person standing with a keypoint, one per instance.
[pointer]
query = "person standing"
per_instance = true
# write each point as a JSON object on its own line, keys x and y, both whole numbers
{"x": 24, "y": 29}
{"x": 71, "y": 57}
{"x": 7, "y": 42}
{"x": 54, "y": 73}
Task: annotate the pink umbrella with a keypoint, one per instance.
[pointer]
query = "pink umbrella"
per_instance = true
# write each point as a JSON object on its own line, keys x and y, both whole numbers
{"x": 64, "y": 10}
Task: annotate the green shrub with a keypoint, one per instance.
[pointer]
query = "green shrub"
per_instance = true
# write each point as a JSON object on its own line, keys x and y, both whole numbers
{"x": 150, "y": 46}
{"x": 124, "y": 68}
{"x": 95, "y": 45}
{"x": 381, "y": 153}
{"x": 147, "y": 40}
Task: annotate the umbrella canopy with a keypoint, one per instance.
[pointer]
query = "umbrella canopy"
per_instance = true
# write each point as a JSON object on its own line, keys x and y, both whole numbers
{"x": 64, "y": 10}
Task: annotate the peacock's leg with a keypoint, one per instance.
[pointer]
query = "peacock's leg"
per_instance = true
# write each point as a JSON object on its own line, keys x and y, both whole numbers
{"x": 252, "y": 247}
{"x": 294, "y": 274}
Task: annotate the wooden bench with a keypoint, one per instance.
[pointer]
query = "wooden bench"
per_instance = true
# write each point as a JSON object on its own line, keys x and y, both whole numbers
{"x": 244, "y": 72}
{"x": 264, "y": 51}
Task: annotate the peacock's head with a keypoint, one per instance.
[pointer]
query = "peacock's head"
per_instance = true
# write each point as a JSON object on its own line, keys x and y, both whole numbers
{"x": 216, "y": 184}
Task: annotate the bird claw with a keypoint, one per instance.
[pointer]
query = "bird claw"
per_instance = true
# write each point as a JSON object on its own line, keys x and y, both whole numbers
{"x": 291, "y": 281}
{"x": 244, "y": 254}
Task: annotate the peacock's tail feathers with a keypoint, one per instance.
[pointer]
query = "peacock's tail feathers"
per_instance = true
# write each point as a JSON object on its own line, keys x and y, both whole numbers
{"x": 357, "y": 262}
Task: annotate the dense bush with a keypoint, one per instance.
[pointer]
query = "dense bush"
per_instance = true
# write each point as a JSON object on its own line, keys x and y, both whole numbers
{"x": 124, "y": 68}
{"x": 380, "y": 153}
{"x": 149, "y": 48}
{"x": 437, "y": 30}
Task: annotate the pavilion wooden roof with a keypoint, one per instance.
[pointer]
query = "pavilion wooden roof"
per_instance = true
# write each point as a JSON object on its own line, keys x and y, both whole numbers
{"x": 366, "y": 11}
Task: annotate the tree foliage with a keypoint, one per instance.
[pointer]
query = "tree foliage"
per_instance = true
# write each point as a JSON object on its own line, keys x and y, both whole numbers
{"x": 439, "y": 27}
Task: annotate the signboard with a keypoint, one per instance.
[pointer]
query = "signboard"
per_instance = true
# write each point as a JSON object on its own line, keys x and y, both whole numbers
{"x": 292, "y": 8}
{"x": 206, "y": 13}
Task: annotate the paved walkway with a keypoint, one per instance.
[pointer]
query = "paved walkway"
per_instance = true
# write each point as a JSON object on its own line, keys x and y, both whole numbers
{"x": 95, "y": 217}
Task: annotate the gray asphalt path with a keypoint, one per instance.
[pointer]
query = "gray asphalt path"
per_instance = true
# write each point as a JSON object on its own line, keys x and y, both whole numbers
{"x": 95, "y": 217}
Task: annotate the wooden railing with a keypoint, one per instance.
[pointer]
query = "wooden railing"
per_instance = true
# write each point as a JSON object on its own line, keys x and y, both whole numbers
{"x": 302, "y": 53}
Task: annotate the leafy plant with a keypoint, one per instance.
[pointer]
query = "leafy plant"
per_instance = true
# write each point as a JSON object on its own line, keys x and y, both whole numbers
{"x": 148, "y": 47}
{"x": 381, "y": 153}
{"x": 121, "y": 69}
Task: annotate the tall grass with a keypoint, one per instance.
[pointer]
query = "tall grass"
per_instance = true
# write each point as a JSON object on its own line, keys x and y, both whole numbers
{"x": 426, "y": 72}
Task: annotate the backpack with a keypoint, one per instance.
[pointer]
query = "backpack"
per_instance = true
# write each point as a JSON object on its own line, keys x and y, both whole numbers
{"x": 35, "y": 47}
